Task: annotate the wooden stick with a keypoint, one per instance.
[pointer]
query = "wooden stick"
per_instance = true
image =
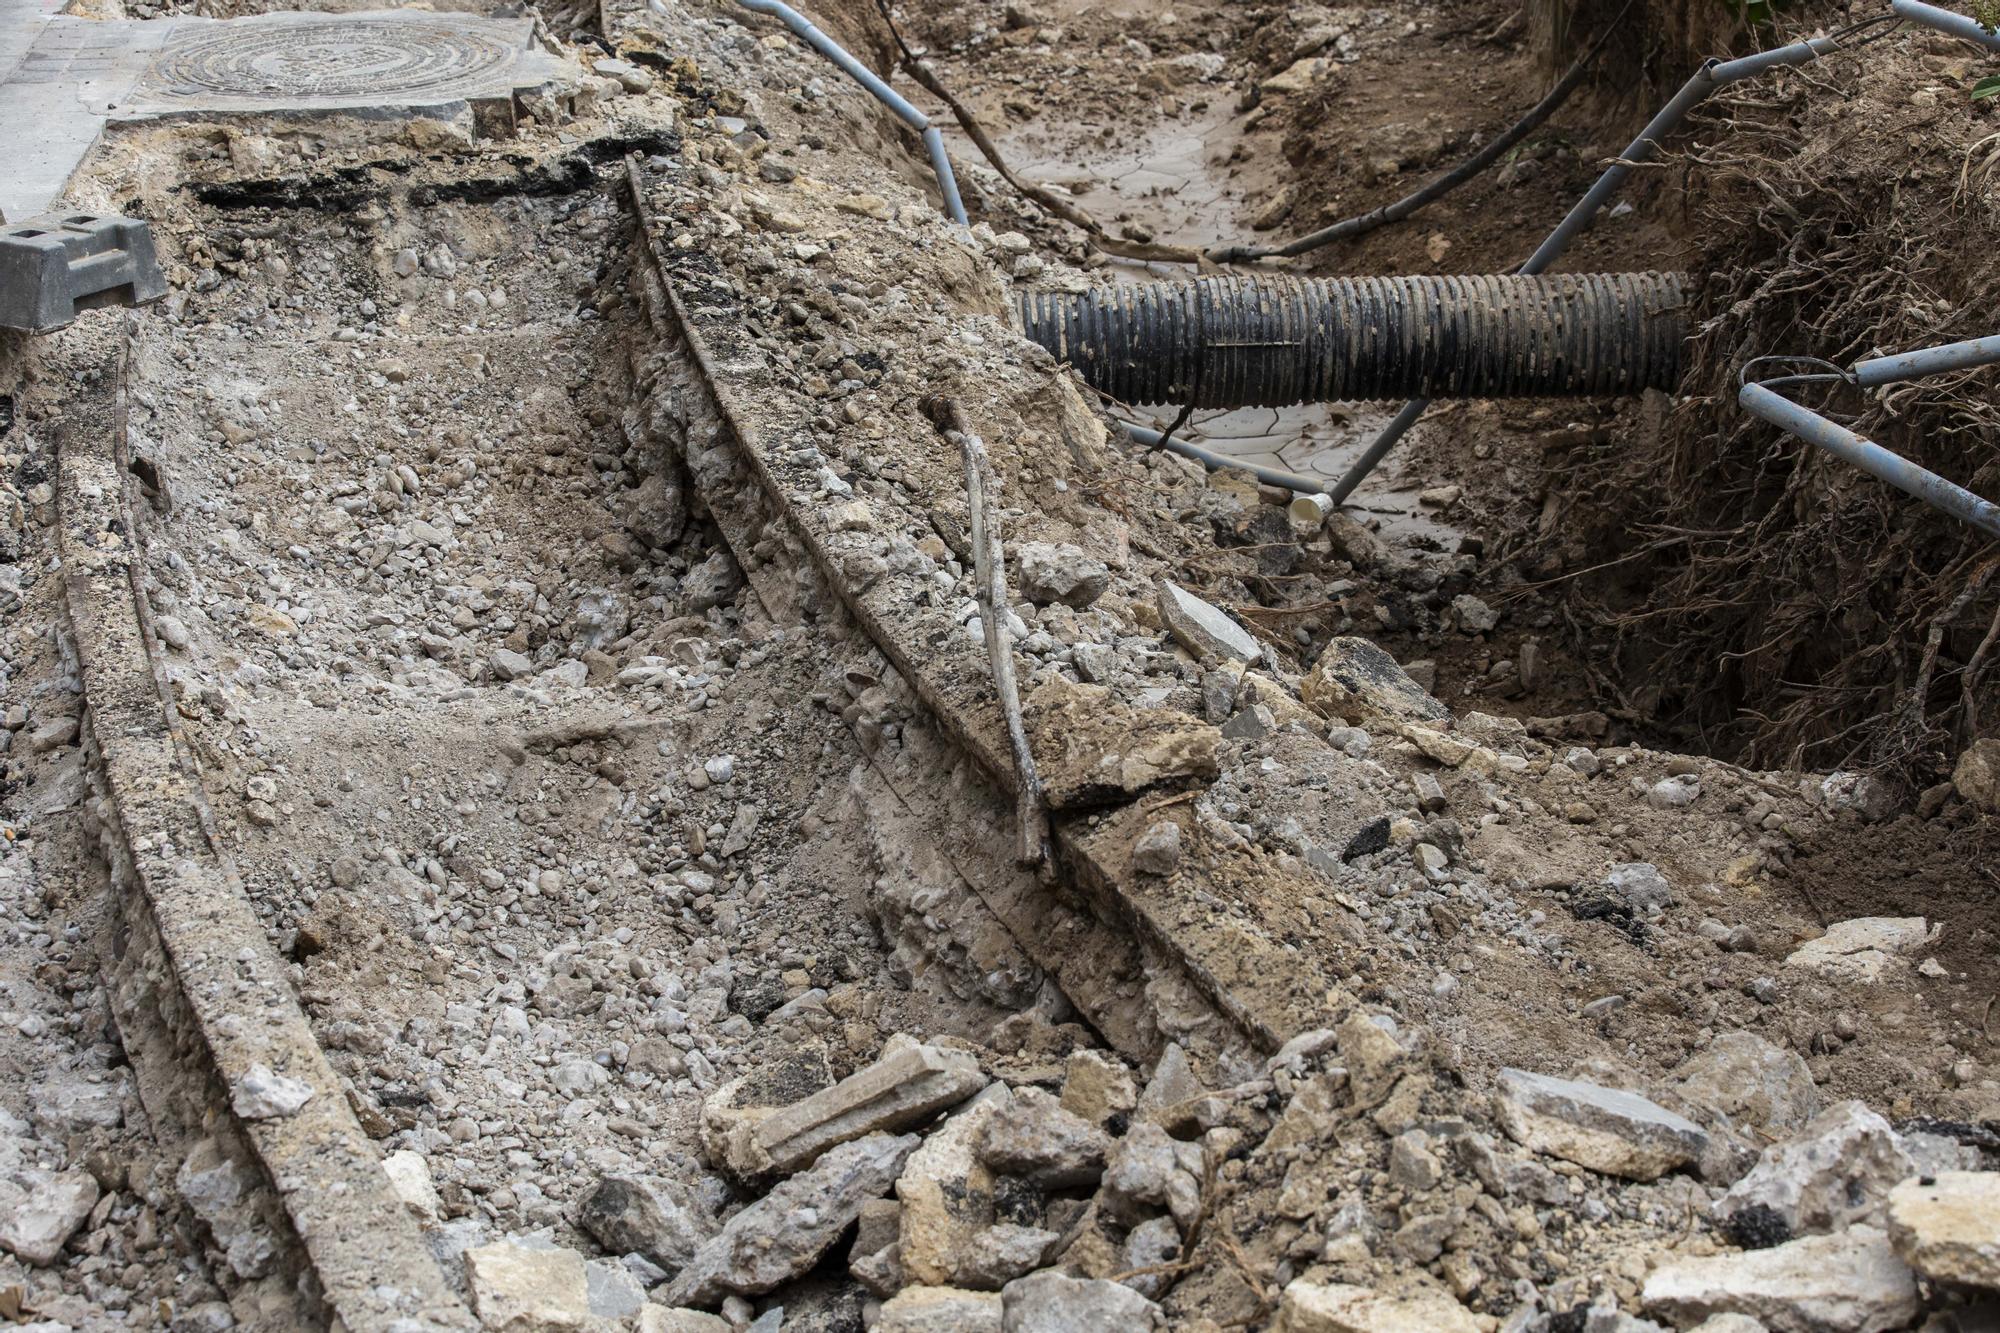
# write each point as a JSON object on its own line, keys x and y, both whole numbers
{"x": 989, "y": 587}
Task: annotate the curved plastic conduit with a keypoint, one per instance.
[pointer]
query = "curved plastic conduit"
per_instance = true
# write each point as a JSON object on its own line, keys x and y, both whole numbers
{"x": 887, "y": 96}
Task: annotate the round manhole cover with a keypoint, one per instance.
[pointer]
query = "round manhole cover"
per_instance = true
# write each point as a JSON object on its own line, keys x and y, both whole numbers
{"x": 356, "y": 58}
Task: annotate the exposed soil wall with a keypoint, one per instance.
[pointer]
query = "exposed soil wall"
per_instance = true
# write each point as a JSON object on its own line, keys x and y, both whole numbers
{"x": 1784, "y": 607}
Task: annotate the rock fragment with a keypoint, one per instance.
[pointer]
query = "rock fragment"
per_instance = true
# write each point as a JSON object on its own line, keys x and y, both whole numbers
{"x": 1158, "y": 850}
{"x": 612, "y": 1291}
{"x": 645, "y": 1216}
{"x": 1204, "y": 630}
{"x": 1059, "y": 573}
{"x": 1851, "y": 1282}
{"x": 263, "y": 1095}
{"x": 1049, "y": 1302}
{"x": 1311, "y": 1307}
{"x": 1976, "y": 776}
{"x": 1640, "y": 886}
{"x": 1839, "y": 1169}
{"x": 1948, "y": 1227}
{"x": 520, "y": 1290}
{"x": 910, "y": 1083}
{"x": 410, "y": 1177}
{"x": 784, "y": 1233}
{"x": 660, "y": 1319}
{"x": 1863, "y": 948}
{"x": 1035, "y": 1138}
{"x": 996, "y": 1256}
{"x": 1091, "y": 749}
{"x": 941, "y": 1310}
{"x": 1355, "y": 681}
{"x": 1149, "y": 1173}
{"x": 1755, "y": 1083}
{"x": 1099, "y": 1089}
{"x": 1617, "y": 1133}
{"x": 948, "y": 1194}
{"x": 41, "y": 1210}
{"x": 1374, "y": 1060}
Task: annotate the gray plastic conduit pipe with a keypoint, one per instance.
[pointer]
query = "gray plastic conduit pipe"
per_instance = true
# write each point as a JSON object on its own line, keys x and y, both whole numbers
{"x": 1271, "y": 340}
{"x": 1948, "y": 497}
{"x": 1208, "y": 458}
{"x": 1944, "y": 20}
{"x": 1706, "y": 80}
{"x": 887, "y": 96}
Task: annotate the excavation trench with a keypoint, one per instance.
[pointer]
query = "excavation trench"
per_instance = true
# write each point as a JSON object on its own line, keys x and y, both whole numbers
{"x": 564, "y": 599}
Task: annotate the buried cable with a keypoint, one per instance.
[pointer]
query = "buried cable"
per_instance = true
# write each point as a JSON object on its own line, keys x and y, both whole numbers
{"x": 1438, "y": 187}
{"x": 1642, "y": 149}
{"x": 1208, "y": 458}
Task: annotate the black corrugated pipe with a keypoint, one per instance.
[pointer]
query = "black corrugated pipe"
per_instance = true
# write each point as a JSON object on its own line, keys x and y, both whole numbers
{"x": 1272, "y": 340}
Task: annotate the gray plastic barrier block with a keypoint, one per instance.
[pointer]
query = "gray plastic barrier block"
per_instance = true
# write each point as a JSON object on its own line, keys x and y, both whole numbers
{"x": 57, "y": 264}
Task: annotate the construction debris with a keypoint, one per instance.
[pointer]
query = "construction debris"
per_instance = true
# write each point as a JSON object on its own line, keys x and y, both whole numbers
{"x": 512, "y": 813}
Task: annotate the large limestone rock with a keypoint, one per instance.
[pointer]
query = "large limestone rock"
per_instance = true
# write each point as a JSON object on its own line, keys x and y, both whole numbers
{"x": 1099, "y": 1089}
{"x": 410, "y": 1177}
{"x": 1846, "y": 1283}
{"x": 1204, "y": 630}
{"x": 941, "y": 1310}
{"x": 40, "y": 1210}
{"x": 1375, "y": 1060}
{"x": 948, "y": 1194}
{"x": 1356, "y": 681}
{"x": 1863, "y": 948}
{"x": 787, "y": 1231}
{"x": 1948, "y": 1227}
{"x": 1092, "y": 750}
{"x": 1756, "y": 1084}
{"x": 1059, "y": 573}
{"x": 1150, "y": 1173}
{"x": 1618, "y": 1133}
{"x": 1977, "y": 775}
{"x": 646, "y": 1216}
{"x": 1035, "y": 1138}
{"x": 1311, "y": 1307}
{"x": 1049, "y": 1302}
{"x": 614, "y": 1293}
{"x": 909, "y": 1084}
{"x": 1836, "y": 1171}
{"x": 520, "y": 1290}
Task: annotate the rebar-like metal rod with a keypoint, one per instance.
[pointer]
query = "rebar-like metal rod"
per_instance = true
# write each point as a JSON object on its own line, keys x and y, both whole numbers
{"x": 1271, "y": 340}
{"x": 887, "y": 96}
{"x": 1642, "y": 149}
{"x": 1871, "y": 458}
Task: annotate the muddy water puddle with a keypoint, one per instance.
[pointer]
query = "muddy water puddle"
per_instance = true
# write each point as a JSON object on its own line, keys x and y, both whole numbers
{"x": 1180, "y": 180}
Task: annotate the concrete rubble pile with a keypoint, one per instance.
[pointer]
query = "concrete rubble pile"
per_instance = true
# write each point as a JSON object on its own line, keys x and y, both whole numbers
{"x": 1076, "y": 1196}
